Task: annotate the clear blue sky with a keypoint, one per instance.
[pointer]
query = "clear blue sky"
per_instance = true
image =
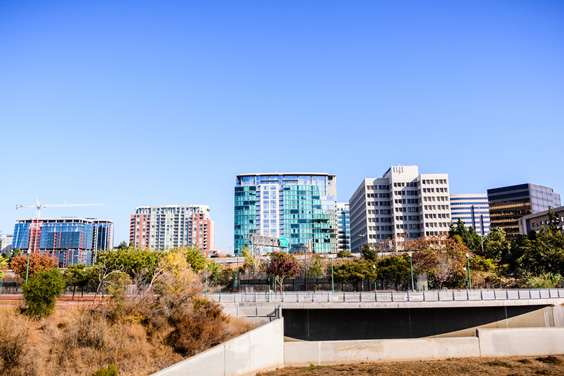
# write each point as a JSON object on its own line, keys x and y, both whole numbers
{"x": 135, "y": 103}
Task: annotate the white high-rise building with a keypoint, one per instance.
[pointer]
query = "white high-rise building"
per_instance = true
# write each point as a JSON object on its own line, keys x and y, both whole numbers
{"x": 400, "y": 205}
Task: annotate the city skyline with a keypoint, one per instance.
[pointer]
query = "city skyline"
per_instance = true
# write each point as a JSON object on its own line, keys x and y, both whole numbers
{"x": 144, "y": 104}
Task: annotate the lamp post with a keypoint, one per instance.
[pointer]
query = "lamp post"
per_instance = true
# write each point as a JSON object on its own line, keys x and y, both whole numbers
{"x": 468, "y": 268}
{"x": 332, "y": 281}
{"x": 411, "y": 267}
{"x": 27, "y": 268}
{"x": 268, "y": 271}
{"x": 465, "y": 276}
{"x": 374, "y": 266}
{"x": 361, "y": 236}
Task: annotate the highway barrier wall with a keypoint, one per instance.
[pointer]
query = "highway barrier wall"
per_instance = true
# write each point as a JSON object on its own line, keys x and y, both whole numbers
{"x": 488, "y": 343}
{"x": 264, "y": 349}
{"x": 521, "y": 341}
{"x": 261, "y": 349}
{"x": 339, "y": 352}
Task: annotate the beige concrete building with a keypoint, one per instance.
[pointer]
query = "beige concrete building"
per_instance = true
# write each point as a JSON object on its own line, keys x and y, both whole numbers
{"x": 400, "y": 205}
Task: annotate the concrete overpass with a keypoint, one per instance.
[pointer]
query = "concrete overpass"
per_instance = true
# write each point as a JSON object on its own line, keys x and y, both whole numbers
{"x": 384, "y": 315}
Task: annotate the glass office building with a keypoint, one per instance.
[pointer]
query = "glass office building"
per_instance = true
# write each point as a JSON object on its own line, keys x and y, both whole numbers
{"x": 297, "y": 206}
{"x": 343, "y": 227}
{"x": 508, "y": 204}
{"x": 68, "y": 240}
{"x": 473, "y": 210}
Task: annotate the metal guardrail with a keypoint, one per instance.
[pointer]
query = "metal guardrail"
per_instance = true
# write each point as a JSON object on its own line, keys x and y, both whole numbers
{"x": 388, "y": 296}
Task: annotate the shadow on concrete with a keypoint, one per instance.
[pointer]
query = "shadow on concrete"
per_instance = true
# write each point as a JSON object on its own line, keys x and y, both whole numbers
{"x": 356, "y": 324}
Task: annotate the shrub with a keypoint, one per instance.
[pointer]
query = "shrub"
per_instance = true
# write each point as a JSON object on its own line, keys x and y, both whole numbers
{"x": 41, "y": 290}
{"x": 110, "y": 371}
{"x": 199, "y": 328}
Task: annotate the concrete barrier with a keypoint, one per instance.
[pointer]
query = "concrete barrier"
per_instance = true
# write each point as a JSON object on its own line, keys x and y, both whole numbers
{"x": 261, "y": 349}
{"x": 521, "y": 341}
{"x": 341, "y": 352}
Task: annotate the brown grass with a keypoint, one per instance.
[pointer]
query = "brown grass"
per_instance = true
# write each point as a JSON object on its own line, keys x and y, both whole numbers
{"x": 550, "y": 365}
{"x": 80, "y": 342}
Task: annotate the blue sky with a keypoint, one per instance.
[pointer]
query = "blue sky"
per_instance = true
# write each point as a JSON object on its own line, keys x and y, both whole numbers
{"x": 135, "y": 103}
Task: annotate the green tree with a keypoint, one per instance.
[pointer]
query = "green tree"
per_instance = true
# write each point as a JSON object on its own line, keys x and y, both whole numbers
{"x": 368, "y": 253}
{"x": 140, "y": 264}
{"x": 196, "y": 259}
{"x": 469, "y": 237}
{"x": 395, "y": 269}
{"x": 545, "y": 254}
{"x": 497, "y": 247}
{"x": 41, "y": 291}
{"x": 75, "y": 276}
{"x": 344, "y": 254}
{"x": 122, "y": 245}
{"x": 282, "y": 265}
{"x": 354, "y": 272}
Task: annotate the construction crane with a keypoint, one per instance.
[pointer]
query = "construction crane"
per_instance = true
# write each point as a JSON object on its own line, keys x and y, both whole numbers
{"x": 34, "y": 238}
{"x": 38, "y": 206}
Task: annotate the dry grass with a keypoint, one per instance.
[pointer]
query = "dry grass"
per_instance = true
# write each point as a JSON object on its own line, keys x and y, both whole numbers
{"x": 80, "y": 342}
{"x": 514, "y": 366}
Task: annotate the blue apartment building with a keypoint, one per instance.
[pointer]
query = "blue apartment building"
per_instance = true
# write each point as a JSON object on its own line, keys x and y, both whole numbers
{"x": 299, "y": 207}
{"x": 68, "y": 240}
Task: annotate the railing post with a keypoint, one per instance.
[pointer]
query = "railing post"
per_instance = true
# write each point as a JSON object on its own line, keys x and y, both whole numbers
{"x": 481, "y": 294}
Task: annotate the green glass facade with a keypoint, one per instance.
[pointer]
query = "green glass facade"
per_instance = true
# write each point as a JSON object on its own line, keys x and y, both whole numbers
{"x": 298, "y": 207}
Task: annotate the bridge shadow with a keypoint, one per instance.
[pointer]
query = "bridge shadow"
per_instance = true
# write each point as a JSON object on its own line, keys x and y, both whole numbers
{"x": 370, "y": 323}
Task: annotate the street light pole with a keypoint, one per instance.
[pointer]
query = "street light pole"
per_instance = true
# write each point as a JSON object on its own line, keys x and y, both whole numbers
{"x": 465, "y": 276}
{"x": 332, "y": 281}
{"x": 27, "y": 268}
{"x": 268, "y": 271}
{"x": 411, "y": 267}
{"x": 374, "y": 266}
{"x": 468, "y": 268}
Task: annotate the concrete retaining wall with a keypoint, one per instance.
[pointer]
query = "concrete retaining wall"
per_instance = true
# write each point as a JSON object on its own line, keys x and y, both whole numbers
{"x": 339, "y": 352}
{"x": 264, "y": 349}
{"x": 489, "y": 343}
{"x": 521, "y": 341}
{"x": 261, "y": 349}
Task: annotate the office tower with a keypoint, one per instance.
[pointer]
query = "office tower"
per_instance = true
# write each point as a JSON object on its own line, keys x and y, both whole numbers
{"x": 68, "y": 240}
{"x": 508, "y": 204}
{"x": 473, "y": 209}
{"x": 538, "y": 221}
{"x": 400, "y": 205}
{"x": 343, "y": 227}
{"x": 171, "y": 226}
{"x": 296, "y": 206}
